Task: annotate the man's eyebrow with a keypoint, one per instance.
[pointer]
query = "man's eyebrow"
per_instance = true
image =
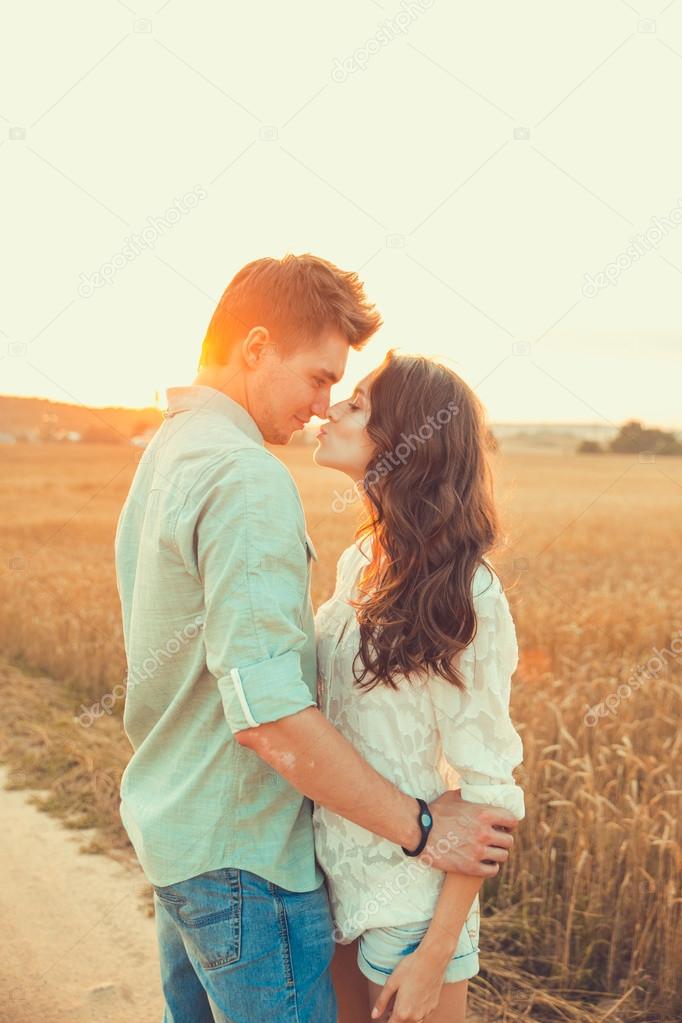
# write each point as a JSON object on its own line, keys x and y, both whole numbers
{"x": 330, "y": 376}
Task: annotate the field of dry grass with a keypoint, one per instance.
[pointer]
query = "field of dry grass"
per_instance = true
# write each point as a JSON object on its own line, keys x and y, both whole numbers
{"x": 586, "y": 919}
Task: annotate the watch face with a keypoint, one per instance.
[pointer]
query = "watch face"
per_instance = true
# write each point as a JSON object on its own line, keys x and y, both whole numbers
{"x": 426, "y": 819}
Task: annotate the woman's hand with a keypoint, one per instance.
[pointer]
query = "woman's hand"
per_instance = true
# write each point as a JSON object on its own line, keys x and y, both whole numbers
{"x": 416, "y": 983}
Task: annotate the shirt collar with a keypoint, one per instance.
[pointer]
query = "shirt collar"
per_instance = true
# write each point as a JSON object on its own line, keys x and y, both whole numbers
{"x": 199, "y": 398}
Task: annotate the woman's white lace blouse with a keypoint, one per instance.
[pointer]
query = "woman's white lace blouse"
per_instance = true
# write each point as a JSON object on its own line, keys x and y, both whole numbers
{"x": 425, "y": 737}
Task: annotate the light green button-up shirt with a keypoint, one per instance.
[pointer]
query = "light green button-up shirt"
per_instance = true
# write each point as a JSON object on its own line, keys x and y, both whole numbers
{"x": 213, "y": 573}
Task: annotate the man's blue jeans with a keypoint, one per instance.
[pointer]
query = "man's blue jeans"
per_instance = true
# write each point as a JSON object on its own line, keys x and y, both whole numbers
{"x": 235, "y": 948}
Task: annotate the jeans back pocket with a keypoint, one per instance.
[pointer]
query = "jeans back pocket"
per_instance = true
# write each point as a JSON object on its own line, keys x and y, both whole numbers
{"x": 208, "y": 911}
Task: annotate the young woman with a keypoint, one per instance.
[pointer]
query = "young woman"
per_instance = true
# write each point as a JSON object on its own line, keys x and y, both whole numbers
{"x": 416, "y": 649}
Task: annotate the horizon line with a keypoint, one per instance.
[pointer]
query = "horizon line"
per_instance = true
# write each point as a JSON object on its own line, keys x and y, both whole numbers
{"x": 490, "y": 421}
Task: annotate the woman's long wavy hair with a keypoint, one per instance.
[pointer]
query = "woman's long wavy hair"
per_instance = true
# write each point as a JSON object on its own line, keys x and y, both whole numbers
{"x": 430, "y": 515}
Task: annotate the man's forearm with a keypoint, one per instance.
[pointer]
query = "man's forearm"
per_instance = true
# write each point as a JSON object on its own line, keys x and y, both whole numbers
{"x": 318, "y": 761}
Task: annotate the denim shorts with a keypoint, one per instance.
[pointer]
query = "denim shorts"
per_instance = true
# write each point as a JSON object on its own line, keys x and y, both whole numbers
{"x": 234, "y": 947}
{"x": 380, "y": 949}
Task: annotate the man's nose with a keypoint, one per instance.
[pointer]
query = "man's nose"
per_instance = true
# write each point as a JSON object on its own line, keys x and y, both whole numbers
{"x": 331, "y": 412}
{"x": 321, "y": 406}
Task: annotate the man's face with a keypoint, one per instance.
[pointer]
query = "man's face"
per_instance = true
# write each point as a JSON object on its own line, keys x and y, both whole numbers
{"x": 286, "y": 391}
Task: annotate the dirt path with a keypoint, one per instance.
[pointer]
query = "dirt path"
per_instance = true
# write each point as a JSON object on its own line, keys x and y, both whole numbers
{"x": 76, "y": 946}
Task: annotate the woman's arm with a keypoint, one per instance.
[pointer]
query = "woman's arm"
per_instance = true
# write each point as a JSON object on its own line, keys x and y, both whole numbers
{"x": 418, "y": 978}
{"x": 480, "y": 742}
{"x": 440, "y": 941}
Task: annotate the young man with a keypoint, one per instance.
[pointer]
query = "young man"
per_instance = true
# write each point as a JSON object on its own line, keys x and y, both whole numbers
{"x": 213, "y": 571}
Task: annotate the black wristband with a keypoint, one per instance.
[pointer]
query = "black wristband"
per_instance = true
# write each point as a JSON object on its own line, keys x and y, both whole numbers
{"x": 425, "y": 823}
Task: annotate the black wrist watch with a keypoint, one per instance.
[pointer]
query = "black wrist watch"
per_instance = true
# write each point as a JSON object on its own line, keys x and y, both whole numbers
{"x": 425, "y": 823}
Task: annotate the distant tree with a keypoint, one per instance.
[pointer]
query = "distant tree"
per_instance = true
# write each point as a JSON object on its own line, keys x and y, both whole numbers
{"x": 141, "y": 426}
{"x": 589, "y": 447}
{"x": 49, "y": 424}
{"x": 102, "y": 435}
{"x": 634, "y": 439}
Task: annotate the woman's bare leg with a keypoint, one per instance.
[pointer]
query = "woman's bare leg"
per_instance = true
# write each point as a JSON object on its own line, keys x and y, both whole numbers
{"x": 350, "y": 985}
{"x": 451, "y": 1007}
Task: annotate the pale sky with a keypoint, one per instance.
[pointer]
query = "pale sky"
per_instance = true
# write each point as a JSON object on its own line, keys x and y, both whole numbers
{"x": 473, "y": 164}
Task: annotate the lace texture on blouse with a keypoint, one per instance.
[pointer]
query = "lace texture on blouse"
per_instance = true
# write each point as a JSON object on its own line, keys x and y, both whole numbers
{"x": 425, "y": 737}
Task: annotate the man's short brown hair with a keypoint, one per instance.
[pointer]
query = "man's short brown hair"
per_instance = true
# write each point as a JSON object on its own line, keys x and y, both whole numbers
{"x": 296, "y": 298}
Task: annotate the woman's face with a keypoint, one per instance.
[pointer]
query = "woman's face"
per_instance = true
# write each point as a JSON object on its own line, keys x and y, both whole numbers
{"x": 344, "y": 443}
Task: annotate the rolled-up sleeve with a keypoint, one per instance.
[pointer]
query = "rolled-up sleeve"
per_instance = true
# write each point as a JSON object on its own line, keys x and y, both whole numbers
{"x": 478, "y": 738}
{"x": 242, "y": 531}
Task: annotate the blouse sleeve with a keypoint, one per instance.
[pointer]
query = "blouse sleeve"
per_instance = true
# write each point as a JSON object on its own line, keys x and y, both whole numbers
{"x": 477, "y": 735}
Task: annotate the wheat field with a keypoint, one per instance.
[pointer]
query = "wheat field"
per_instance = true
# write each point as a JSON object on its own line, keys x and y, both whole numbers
{"x": 585, "y": 920}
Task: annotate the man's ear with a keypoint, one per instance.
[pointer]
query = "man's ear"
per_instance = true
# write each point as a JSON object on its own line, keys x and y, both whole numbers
{"x": 254, "y": 344}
